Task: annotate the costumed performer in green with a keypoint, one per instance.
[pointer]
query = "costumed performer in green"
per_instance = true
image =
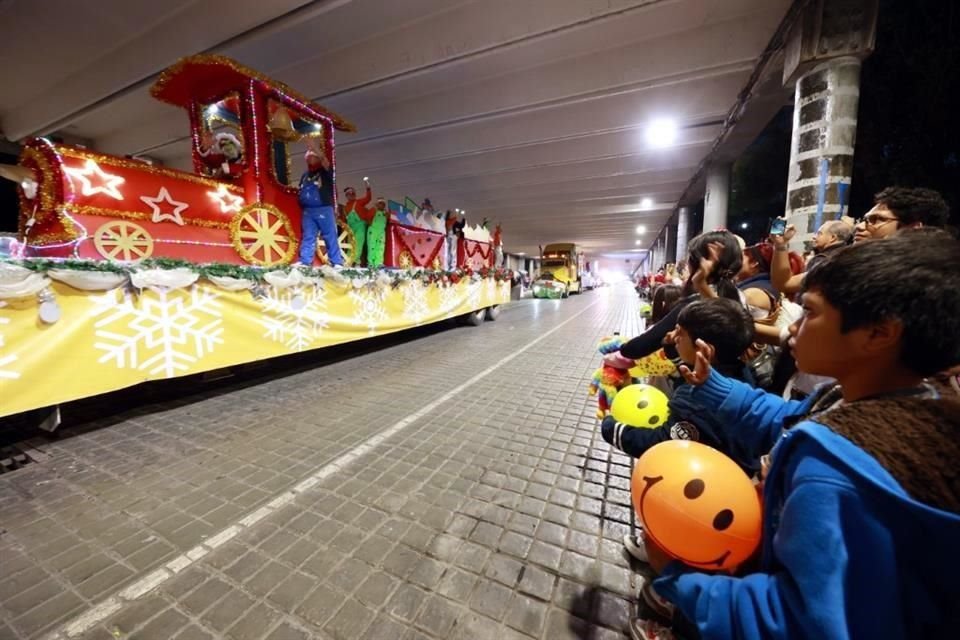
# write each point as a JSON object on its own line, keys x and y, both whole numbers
{"x": 358, "y": 216}
{"x": 377, "y": 235}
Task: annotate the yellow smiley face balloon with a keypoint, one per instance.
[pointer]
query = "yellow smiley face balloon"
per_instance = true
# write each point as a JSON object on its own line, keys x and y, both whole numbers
{"x": 640, "y": 405}
{"x": 696, "y": 504}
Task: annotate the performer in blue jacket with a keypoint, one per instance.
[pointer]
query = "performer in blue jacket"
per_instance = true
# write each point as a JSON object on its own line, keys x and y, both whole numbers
{"x": 861, "y": 492}
{"x": 317, "y": 202}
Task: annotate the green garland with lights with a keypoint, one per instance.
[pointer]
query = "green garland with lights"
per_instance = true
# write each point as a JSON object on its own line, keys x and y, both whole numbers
{"x": 244, "y": 272}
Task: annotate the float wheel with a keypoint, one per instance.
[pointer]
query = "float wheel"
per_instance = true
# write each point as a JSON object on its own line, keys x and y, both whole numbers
{"x": 124, "y": 241}
{"x": 475, "y": 318}
{"x": 262, "y": 234}
{"x": 347, "y": 240}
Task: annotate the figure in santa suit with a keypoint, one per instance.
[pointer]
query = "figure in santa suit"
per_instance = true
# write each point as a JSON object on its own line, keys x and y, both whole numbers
{"x": 316, "y": 200}
{"x": 497, "y": 247}
{"x": 222, "y": 154}
{"x": 359, "y": 215}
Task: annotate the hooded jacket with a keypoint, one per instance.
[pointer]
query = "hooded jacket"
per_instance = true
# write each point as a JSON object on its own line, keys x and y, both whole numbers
{"x": 861, "y": 523}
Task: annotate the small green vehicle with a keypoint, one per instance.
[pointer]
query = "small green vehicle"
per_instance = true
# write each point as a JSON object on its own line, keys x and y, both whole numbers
{"x": 546, "y": 286}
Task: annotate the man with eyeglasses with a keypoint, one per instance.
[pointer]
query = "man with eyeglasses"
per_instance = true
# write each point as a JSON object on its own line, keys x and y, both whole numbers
{"x": 898, "y": 208}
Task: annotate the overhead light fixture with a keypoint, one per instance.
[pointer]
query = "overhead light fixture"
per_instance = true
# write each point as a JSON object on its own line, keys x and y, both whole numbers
{"x": 646, "y": 203}
{"x": 661, "y": 132}
{"x": 745, "y": 225}
{"x": 521, "y": 253}
{"x": 641, "y": 229}
{"x": 637, "y": 243}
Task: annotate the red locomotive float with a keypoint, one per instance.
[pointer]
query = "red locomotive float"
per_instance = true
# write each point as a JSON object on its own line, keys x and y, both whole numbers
{"x": 238, "y": 206}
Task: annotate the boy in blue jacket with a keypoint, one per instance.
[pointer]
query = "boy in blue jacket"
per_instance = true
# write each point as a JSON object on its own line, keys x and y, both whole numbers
{"x": 861, "y": 492}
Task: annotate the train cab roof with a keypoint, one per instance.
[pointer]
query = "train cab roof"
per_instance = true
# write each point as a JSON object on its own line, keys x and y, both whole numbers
{"x": 207, "y": 78}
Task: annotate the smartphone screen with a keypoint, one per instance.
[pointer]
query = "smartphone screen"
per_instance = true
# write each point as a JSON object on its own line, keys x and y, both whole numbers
{"x": 778, "y": 226}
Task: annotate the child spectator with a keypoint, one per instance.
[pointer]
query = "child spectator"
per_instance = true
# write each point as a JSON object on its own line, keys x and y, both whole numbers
{"x": 728, "y": 328}
{"x": 714, "y": 260}
{"x": 665, "y": 298}
{"x": 861, "y": 494}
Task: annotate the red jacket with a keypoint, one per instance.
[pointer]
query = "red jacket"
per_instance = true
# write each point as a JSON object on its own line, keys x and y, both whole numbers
{"x": 359, "y": 205}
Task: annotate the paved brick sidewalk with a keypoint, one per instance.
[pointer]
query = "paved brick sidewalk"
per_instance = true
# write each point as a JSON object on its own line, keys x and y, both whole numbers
{"x": 496, "y": 514}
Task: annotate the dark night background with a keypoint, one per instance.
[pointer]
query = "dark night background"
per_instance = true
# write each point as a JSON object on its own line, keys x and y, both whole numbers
{"x": 908, "y": 132}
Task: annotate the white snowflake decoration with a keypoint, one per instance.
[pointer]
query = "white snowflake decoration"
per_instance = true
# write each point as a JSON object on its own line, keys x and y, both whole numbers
{"x": 164, "y": 333}
{"x": 295, "y": 316}
{"x": 449, "y": 300}
{"x": 474, "y": 293}
{"x": 6, "y": 374}
{"x": 369, "y": 308}
{"x": 490, "y": 290}
{"x": 416, "y": 307}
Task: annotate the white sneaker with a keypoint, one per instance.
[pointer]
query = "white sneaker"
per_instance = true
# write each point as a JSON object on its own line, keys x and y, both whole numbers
{"x": 635, "y": 546}
{"x": 657, "y": 603}
{"x": 641, "y": 629}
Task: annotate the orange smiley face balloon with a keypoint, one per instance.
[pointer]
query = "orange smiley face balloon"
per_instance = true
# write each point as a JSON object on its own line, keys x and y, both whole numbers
{"x": 696, "y": 504}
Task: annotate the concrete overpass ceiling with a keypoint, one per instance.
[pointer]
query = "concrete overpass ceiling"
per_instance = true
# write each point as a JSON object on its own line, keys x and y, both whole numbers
{"x": 528, "y": 112}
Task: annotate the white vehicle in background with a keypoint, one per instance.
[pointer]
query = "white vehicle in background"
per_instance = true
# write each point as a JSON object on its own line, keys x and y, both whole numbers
{"x": 588, "y": 280}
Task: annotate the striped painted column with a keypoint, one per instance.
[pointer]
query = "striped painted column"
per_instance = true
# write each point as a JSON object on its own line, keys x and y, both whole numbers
{"x": 821, "y": 152}
{"x": 683, "y": 232}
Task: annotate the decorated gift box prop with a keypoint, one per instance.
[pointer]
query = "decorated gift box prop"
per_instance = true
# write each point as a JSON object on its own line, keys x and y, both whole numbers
{"x": 400, "y": 214}
{"x": 475, "y": 248}
{"x": 411, "y": 247}
{"x": 239, "y": 206}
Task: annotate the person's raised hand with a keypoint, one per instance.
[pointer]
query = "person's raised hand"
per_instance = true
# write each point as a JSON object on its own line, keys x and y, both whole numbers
{"x": 701, "y": 367}
{"x": 709, "y": 262}
{"x": 782, "y": 241}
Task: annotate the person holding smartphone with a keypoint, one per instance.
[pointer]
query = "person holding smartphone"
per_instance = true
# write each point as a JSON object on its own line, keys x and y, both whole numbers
{"x": 831, "y": 236}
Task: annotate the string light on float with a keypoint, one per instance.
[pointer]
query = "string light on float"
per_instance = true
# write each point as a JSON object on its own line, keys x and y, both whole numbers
{"x": 94, "y": 180}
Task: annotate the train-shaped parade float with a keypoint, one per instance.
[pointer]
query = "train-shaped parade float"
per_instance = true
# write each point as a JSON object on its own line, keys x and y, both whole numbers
{"x": 125, "y": 272}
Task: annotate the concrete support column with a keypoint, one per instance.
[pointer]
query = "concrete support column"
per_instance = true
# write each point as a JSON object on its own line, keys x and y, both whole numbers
{"x": 671, "y": 238}
{"x": 822, "y": 59}
{"x": 821, "y": 152}
{"x": 683, "y": 232}
{"x": 717, "y": 197}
